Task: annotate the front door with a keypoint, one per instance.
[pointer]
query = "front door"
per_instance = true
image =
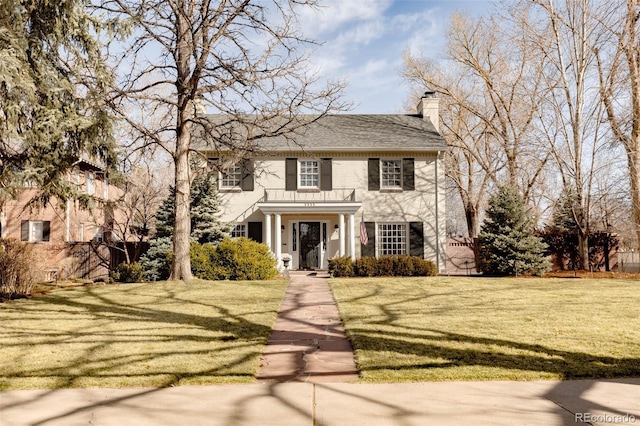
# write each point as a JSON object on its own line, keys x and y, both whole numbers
{"x": 309, "y": 245}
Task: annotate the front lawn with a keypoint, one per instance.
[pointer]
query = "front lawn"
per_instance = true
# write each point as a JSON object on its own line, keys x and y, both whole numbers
{"x": 156, "y": 334}
{"x": 462, "y": 328}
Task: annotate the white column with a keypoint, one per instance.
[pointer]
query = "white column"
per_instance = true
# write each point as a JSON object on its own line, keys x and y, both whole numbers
{"x": 341, "y": 233}
{"x": 352, "y": 235}
{"x": 267, "y": 225}
{"x": 278, "y": 232}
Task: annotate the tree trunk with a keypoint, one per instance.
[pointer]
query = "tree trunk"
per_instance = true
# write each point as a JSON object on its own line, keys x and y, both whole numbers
{"x": 471, "y": 215}
{"x": 181, "y": 262}
{"x": 583, "y": 250}
{"x": 633, "y": 158}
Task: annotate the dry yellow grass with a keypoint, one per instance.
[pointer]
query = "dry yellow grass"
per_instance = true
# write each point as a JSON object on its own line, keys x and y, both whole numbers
{"x": 459, "y": 328}
{"x": 156, "y": 334}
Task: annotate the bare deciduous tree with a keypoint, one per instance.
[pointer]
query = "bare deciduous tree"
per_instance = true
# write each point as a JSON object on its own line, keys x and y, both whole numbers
{"x": 144, "y": 190}
{"x": 619, "y": 73}
{"x": 491, "y": 88}
{"x": 242, "y": 59}
{"x": 572, "y": 115}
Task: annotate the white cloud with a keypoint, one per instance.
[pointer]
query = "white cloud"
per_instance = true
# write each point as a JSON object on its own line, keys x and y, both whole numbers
{"x": 364, "y": 41}
{"x": 333, "y": 14}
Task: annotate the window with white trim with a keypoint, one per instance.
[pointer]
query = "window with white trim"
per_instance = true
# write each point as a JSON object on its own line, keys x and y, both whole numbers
{"x": 91, "y": 183}
{"x": 98, "y": 233}
{"x": 35, "y": 230}
{"x": 231, "y": 176}
{"x": 392, "y": 238}
{"x": 105, "y": 188}
{"x": 391, "y": 174}
{"x": 309, "y": 174}
{"x": 239, "y": 230}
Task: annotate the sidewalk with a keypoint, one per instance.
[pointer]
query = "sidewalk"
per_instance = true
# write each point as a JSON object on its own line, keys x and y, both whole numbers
{"x": 543, "y": 403}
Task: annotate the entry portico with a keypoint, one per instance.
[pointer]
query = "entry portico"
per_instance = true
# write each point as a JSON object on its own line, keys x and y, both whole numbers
{"x": 306, "y": 229}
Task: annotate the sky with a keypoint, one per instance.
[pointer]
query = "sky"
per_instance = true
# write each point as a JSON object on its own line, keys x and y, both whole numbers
{"x": 364, "y": 41}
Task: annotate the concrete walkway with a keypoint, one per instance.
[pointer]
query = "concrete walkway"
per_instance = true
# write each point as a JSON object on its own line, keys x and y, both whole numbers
{"x": 543, "y": 403}
{"x": 308, "y": 342}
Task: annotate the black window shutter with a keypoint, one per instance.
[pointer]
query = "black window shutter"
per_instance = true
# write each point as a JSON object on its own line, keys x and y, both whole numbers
{"x": 24, "y": 230}
{"x": 416, "y": 239}
{"x": 326, "y": 174}
{"x": 46, "y": 230}
{"x": 254, "y": 231}
{"x": 374, "y": 174}
{"x": 291, "y": 174}
{"x": 408, "y": 174}
{"x": 247, "y": 175}
{"x": 370, "y": 249}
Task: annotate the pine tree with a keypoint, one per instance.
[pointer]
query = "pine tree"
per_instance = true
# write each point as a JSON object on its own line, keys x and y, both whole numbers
{"x": 205, "y": 211}
{"x": 52, "y": 96}
{"x": 165, "y": 215}
{"x": 205, "y": 226}
{"x": 565, "y": 213}
{"x": 508, "y": 245}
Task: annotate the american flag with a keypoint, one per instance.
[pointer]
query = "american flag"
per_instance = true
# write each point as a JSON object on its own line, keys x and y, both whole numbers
{"x": 364, "y": 238}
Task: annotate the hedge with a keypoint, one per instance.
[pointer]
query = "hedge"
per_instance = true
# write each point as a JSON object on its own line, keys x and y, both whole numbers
{"x": 383, "y": 266}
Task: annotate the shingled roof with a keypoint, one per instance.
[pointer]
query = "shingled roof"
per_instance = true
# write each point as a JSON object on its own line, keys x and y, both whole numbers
{"x": 357, "y": 133}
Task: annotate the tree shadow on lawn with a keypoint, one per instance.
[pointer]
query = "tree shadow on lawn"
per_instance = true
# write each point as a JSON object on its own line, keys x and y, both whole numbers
{"x": 563, "y": 364}
{"x": 218, "y": 341}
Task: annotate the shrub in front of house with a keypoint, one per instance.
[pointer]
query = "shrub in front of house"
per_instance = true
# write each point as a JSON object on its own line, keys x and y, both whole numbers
{"x": 365, "y": 267}
{"x": 423, "y": 268}
{"x": 341, "y": 266}
{"x": 233, "y": 259}
{"x": 383, "y": 266}
{"x": 18, "y": 273}
{"x": 128, "y": 273}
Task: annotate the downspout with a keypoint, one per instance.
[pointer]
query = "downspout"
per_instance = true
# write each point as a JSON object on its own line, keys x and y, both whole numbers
{"x": 67, "y": 225}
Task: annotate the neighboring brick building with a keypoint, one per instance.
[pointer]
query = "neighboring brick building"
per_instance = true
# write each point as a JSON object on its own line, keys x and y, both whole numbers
{"x": 68, "y": 239}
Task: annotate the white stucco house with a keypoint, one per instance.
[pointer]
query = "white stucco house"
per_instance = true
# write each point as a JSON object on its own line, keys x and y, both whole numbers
{"x": 313, "y": 195}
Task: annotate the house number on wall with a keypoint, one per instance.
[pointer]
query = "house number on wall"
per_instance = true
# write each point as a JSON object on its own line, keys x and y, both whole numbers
{"x": 309, "y": 204}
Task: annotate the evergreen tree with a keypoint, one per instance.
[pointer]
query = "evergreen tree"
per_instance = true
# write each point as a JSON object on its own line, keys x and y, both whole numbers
{"x": 165, "y": 215}
{"x": 205, "y": 211}
{"x": 565, "y": 212}
{"x": 205, "y": 226}
{"x": 52, "y": 96}
{"x": 508, "y": 245}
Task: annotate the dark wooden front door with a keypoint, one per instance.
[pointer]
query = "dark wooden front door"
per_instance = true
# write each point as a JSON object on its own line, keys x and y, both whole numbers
{"x": 309, "y": 245}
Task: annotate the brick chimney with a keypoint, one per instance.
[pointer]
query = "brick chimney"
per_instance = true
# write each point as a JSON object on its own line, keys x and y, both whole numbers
{"x": 428, "y": 108}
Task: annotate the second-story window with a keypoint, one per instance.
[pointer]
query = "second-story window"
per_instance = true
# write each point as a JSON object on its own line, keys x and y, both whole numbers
{"x": 309, "y": 174}
{"x": 391, "y": 173}
{"x": 386, "y": 174}
{"x": 91, "y": 183}
{"x": 231, "y": 176}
